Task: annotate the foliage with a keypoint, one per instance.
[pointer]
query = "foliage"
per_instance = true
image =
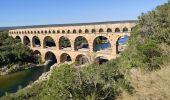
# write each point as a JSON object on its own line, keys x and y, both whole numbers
{"x": 89, "y": 83}
{"x": 147, "y": 39}
{"x": 13, "y": 52}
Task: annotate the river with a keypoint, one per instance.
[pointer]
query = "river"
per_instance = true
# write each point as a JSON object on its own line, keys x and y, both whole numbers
{"x": 12, "y": 82}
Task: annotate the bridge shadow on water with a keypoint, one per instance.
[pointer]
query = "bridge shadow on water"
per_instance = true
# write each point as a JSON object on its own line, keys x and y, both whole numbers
{"x": 12, "y": 82}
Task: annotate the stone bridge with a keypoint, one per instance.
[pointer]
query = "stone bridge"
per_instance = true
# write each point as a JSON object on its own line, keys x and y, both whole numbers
{"x": 81, "y": 43}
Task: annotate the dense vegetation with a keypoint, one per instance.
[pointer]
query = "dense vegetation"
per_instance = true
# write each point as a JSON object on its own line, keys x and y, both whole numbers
{"x": 13, "y": 52}
{"x": 148, "y": 49}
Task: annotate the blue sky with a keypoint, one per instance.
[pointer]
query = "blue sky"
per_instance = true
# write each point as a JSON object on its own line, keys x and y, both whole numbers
{"x": 36, "y": 12}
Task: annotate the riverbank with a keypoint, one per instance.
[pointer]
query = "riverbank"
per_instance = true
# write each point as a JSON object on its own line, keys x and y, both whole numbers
{"x": 9, "y": 69}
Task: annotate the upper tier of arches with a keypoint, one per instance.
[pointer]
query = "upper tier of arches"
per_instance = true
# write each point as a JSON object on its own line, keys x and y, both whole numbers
{"x": 72, "y": 31}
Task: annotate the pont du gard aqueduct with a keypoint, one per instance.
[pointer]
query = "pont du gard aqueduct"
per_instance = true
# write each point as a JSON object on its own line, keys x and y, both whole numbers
{"x": 81, "y": 42}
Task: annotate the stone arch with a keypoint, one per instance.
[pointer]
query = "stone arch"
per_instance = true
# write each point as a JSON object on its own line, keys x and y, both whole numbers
{"x": 109, "y": 30}
{"x": 49, "y": 42}
{"x": 121, "y": 43}
{"x": 50, "y": 57}
{"x": 58, "y": 31}
{"x": 18, "y": 38}
{"x": 117, "y": 30}
{"x": 101, "y": 43}
{"x": 38, "y": 32}
{"x": 36, "y": 42}
{"x": 65, "y": 58}
{"x": 49, "y": 31}
{"x": 125, "y": 29}
{"x": 63, "y": 31}
{"x": 80, "y": 31}
{"x": 100, "y": 60}
{"x": 101, "y": 30}
{"x": 26, "y": 41}
{"x": 68, "y": 31}
{"x": 54, "y": 32}
{"x": 93, "y": 31}
{"x": 81, "y": 43}
{"x": 74, "y": 31}
{"x": 45, "y": 32}
{"x": 64, "y": 43}
{"x": 81, "y": 60}
{"x": 35, "y": 32}
{"x": 86, "y": 31}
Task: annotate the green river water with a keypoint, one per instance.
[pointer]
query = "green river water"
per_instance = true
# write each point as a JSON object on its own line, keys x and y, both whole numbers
{"x": 12, "y": 82}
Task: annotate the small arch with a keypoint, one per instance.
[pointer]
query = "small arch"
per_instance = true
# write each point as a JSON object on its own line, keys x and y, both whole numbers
{"x": 49, "y": 31}
{"x": 81, "y": 60}
{"x": 36, "y": 42}
{"x": 93, "y": 31}
{"x": 68, "y": 31}
{"x": 101, "y": 30}
{"x": 58, "y": 31}
{"x": 26, "y": 41}
{"x": 63, "y": 31}
{"x": 117, "y": 30}
{"x": 35, "y": 32}
{"x": 18, "y": 39}
{"x": 42, "y": 31}
{"x": 64, "y": 43}
{"x": 38, "y": 32}
{"x": 86, "y": 31}
{"x": 74, "y": 31}
{"x": 80, "y": 31}
{"x": 53, "y": 31}
{"x": 50, "y": 58}
{"x": 65, "y": 58}
{"x": 100, "y": 60}
{"x": 121, "y": 44}
{"x": 46, "y": 32}
{"x": 81, "y": 43}
{"x": 109, "y": 30}
{"x": 49, "y": 42}
{"x": 125, "y": 29}
{"x": 101, "y": 43}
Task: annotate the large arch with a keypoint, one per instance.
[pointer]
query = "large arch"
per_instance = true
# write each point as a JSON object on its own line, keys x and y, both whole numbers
{"x": 81, "y": 43}
{"x": 26, "y": 41}
{"x": 121, "y": 43}
{"x": 81, "y": 60}
{"x": 101, "y": 43}
{"x": 49, "y": 42}
{"x": 64, "y": 43}
{"x": 18, "y": 39}
{"x": 65, "y": 58}
{"x": 100, "y": 60}
{"x": 50, "y": 58}
{"x": 36, "y": 42}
